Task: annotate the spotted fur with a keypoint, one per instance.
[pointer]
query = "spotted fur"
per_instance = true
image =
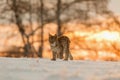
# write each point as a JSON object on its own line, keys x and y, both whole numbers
{"x": 59, "y": 46}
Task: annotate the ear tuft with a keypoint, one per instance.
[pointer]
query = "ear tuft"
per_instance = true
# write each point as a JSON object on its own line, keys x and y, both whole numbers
{"x": 50, "y": 34}
{"x": 55, "y": 35}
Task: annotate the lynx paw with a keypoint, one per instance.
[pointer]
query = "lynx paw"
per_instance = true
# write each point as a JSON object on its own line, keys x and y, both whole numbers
{"x": 65, "y": 59}
{"x": 71, "y": 58}
{"x": 53, "y": 59}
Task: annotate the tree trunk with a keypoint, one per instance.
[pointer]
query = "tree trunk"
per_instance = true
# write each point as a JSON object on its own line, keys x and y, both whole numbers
{"x": 58, "y": 18}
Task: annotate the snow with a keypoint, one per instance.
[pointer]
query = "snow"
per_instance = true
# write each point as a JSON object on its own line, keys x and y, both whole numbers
{"x": 45, "y": 69}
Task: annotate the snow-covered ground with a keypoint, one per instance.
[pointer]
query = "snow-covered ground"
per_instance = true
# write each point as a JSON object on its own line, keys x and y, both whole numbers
{"x": 45, "y": 69}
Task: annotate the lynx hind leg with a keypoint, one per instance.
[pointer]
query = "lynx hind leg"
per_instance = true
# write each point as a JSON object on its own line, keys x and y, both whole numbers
{"x": 54, "y": 56}
{"x": 70, "y": 55}
{"x": 66, "y": 51}
{"x": 66, "y": 55}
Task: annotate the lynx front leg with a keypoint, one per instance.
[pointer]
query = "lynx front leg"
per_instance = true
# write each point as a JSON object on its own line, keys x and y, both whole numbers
{"x": 54, "y": 56}
{"x": 70, "y": 55}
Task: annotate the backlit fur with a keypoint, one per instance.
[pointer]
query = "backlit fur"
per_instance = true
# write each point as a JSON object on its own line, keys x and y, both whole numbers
{"x": 60, "y": 45}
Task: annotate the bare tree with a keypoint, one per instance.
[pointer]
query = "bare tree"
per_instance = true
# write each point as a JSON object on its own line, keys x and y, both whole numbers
{"x": 26, "y": 38}
{"x": 52, "y": 14}
{"x": 58, "y": 18}
{"x": 42, "y": 31}
{"x": 18, "y": 20}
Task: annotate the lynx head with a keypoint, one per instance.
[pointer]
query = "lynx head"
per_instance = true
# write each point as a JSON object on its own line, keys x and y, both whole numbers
{"x": 52, "y": 39}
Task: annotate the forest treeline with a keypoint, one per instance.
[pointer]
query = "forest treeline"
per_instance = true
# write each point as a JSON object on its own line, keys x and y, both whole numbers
{"x": 22, "y": 12}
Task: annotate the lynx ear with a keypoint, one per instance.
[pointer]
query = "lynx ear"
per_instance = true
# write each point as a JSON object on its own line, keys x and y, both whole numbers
{"x": 50, "y": 34}
{"x": 55, "y": 35}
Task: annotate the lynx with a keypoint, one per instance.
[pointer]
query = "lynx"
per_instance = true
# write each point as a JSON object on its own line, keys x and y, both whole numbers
{"x": 60, "y": 45}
